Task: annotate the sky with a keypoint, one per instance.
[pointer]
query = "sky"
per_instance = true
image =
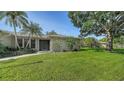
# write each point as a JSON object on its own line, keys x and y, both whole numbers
{"x": 50, "y": 20}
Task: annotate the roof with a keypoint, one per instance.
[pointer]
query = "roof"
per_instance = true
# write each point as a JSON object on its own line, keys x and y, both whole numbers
{"x": 23, "y": 34}
{"x": 3, "y": 32}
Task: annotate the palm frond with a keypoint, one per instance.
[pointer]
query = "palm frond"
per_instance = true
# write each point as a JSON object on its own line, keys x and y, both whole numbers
{"x": 19, "y": 18}
{"x": 33, "y": 28}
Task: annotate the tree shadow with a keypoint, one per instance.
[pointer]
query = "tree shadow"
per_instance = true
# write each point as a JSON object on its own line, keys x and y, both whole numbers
{"x": 1, "y": 76}
{"x": 83, "y": 49}
{"x": 22, "y": 64}
{"x": 99, "y": 49}
{"x": 8, "y": 61}
{"x": 118, "y": 51}
{"x": 93, "y": 49}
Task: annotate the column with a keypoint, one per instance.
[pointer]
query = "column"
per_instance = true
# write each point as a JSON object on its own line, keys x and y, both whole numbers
{"x": 38, "y": 44}
{"x": 23, "y": 44}
{"x": 30, "y": 43}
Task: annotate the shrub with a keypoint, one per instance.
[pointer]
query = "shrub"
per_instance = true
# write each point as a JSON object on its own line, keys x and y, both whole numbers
{"x": 91, "y": 42}
{"x": 29, "y": 50}
{"x": 3, "y": 49}
{"x": 11, "y": 49}
{"x": 73, "y": 43}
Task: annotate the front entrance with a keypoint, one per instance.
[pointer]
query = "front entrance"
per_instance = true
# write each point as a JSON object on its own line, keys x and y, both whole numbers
{"x": 44, "y": 45}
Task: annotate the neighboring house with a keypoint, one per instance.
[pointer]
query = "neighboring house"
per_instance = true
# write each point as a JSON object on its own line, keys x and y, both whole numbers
{"x": 103, "y": 44}
{"x": 40, "y": 43}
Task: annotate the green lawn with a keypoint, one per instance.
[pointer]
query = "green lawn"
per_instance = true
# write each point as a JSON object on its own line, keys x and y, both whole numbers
{"x": 87, "y": 64}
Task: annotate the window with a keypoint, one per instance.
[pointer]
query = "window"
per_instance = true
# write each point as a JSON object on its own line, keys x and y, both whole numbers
{"x": 20, "y": 42}
{"x": 33, "y": 43}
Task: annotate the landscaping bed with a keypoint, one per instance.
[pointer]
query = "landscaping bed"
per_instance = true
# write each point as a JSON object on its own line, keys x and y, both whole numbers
{"x": 9, "y": 52}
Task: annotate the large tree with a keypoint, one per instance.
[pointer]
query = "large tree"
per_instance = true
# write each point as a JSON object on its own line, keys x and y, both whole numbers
{"x": 108, "y": 23}
{"x": 32, "y": 29}
{"x": 14, "y": 19}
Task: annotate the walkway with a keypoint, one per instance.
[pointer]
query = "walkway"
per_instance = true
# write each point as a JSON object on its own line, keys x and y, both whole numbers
{"x": 25, "y": 55}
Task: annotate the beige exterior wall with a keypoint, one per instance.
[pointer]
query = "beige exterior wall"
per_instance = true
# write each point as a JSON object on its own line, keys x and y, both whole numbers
{"x": 7, "y": 40}
{"x": 60, "y": 44}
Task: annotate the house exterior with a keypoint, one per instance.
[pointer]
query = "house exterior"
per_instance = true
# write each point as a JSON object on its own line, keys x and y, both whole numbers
{"x": 103, "y": 44}
{"x": 40, "y": 43}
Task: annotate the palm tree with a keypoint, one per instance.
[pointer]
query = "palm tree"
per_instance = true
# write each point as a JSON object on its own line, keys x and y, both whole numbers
{"x": 14, "y": 19}
{"x": 32, "y": 29}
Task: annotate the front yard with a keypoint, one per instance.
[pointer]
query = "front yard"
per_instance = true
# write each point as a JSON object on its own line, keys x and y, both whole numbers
{"x": 87, "y": 64}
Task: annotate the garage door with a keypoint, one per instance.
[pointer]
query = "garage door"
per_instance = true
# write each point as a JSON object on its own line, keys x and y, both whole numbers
{"x": 44, "y": 45}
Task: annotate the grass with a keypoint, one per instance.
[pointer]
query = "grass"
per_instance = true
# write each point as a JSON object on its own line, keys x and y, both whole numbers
{"x": 87, "y": 64}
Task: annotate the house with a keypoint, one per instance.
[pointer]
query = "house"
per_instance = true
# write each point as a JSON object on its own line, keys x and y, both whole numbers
{"x": 40, "y": 43}
{"x": 103, "y": 44}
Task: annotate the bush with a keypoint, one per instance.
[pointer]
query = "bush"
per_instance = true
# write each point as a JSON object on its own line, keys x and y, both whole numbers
{"x": 3, "y": 49}
{"x": 11, "y": 49}
{"x": 31, "y": 50}
{"x": 73, "y": 43}
{"x": 8, "y": 52}
{"x": 91, "y": 42}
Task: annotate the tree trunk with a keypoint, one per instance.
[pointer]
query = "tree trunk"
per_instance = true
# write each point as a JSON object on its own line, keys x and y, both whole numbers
{"x": 29, "y": 40}
{"x": 16, "y": 41}
{"x": 110, "y": 41}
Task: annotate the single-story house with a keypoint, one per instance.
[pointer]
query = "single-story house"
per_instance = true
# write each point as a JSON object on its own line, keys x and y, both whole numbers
{"x": 40, "y": 43}
{"x": 103, "y": 44}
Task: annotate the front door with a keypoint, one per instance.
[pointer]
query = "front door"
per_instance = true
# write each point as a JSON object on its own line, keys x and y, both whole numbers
{"x": 44, "y": 45}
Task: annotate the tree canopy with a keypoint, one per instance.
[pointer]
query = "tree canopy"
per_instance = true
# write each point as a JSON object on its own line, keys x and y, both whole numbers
{"x": 14, "y": 19}
{"x": 108, "y": 23}
{"x": 103, "y": 40}
{"x": 33, "y": 29}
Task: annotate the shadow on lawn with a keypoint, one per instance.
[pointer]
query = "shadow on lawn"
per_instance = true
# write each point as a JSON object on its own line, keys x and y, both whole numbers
{"x": 93, "y": 49}
{"x": 8, "y": 61}
{"x": 119, "y": 51}
{"x": 18, "y": 66}
{"x": 22, "y": 64}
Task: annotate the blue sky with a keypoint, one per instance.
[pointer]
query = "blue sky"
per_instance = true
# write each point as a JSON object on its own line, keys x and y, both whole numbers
{"x": 50, "y": 20}
{"x": 57, "y": 21}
